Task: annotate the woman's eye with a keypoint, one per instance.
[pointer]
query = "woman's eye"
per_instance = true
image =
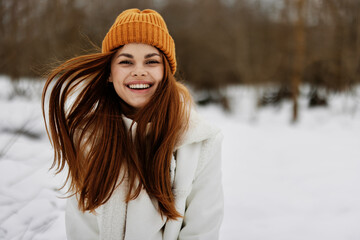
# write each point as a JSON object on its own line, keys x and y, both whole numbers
{"x": 152, "y": 62}
{"x": 125, "y": 62}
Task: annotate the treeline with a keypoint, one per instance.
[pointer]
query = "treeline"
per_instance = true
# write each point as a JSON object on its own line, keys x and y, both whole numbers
{"x": 219, "y": 42}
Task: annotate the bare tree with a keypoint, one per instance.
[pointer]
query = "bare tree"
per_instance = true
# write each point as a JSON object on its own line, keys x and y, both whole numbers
{"x": 299, "y": 56}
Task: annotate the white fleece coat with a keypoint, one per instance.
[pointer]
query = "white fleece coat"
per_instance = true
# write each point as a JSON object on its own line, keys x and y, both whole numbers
{"x": 197, "y": 187}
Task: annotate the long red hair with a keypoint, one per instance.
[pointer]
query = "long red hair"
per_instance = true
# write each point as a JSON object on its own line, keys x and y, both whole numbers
{"x": 86, "y": 129}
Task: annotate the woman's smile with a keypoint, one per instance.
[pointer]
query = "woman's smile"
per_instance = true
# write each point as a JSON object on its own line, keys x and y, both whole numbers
{"x": 139, "y": 86}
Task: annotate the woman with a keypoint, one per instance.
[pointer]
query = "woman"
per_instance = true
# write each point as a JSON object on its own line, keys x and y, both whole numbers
{"x": 141, "y": 163}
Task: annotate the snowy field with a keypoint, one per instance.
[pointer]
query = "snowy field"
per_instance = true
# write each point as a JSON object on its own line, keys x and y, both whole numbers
{"x": 282, "y": 181}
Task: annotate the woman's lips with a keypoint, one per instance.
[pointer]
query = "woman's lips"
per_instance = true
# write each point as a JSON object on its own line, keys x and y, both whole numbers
{"x": 139, "y": 86}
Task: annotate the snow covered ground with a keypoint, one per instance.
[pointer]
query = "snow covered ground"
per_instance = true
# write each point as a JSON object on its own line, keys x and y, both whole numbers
{"x": 281, "y": 180}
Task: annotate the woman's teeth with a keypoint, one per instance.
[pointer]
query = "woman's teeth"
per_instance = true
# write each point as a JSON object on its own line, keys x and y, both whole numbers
{"x": 139, "y": 86}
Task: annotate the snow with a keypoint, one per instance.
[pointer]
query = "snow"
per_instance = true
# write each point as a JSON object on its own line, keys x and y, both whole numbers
{"x": 281, "y": 180}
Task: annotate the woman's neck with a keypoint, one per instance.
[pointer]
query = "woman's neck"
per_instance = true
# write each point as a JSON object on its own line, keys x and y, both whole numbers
{"x": 127, "y": 110}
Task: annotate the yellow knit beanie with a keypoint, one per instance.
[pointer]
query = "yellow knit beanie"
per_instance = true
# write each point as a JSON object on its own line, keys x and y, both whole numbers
{"x": 145, "y": 26}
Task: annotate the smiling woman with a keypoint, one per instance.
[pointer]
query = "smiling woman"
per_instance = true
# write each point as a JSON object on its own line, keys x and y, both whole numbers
{"x": 141, "y": 163}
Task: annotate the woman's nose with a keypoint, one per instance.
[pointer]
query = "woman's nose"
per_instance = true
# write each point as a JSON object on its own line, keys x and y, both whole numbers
{"x": 139, "y": 71}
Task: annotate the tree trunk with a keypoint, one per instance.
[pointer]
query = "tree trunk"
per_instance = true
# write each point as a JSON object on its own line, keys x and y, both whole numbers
{"x": 298, "y": 57}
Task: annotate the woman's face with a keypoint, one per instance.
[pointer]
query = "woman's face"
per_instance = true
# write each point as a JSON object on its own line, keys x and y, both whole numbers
{"x": 136, "y": 71}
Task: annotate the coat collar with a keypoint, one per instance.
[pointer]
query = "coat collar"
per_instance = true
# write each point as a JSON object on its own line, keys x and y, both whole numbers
{"x": 198, "y": 129}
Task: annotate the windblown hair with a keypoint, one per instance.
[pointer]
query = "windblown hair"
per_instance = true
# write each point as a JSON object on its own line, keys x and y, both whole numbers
{"x": 87, "y": 131}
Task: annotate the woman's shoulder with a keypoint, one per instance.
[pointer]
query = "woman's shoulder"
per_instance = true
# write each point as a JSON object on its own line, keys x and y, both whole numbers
{"x": 199, "y": 130}
{"x": 202, "y": 144}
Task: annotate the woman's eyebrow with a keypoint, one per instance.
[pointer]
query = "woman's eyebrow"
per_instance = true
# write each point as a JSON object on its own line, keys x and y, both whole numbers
{"x": 125, "y": 55}
{"x": 131, "y": 56}
{"x": 151, "y": 55}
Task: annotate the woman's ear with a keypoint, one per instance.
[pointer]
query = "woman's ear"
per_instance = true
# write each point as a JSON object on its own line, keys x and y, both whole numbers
{"x": 110, "y": 78}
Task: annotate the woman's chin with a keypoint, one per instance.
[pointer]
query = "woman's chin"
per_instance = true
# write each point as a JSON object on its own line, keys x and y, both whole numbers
{"x": 138, "y": 104}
